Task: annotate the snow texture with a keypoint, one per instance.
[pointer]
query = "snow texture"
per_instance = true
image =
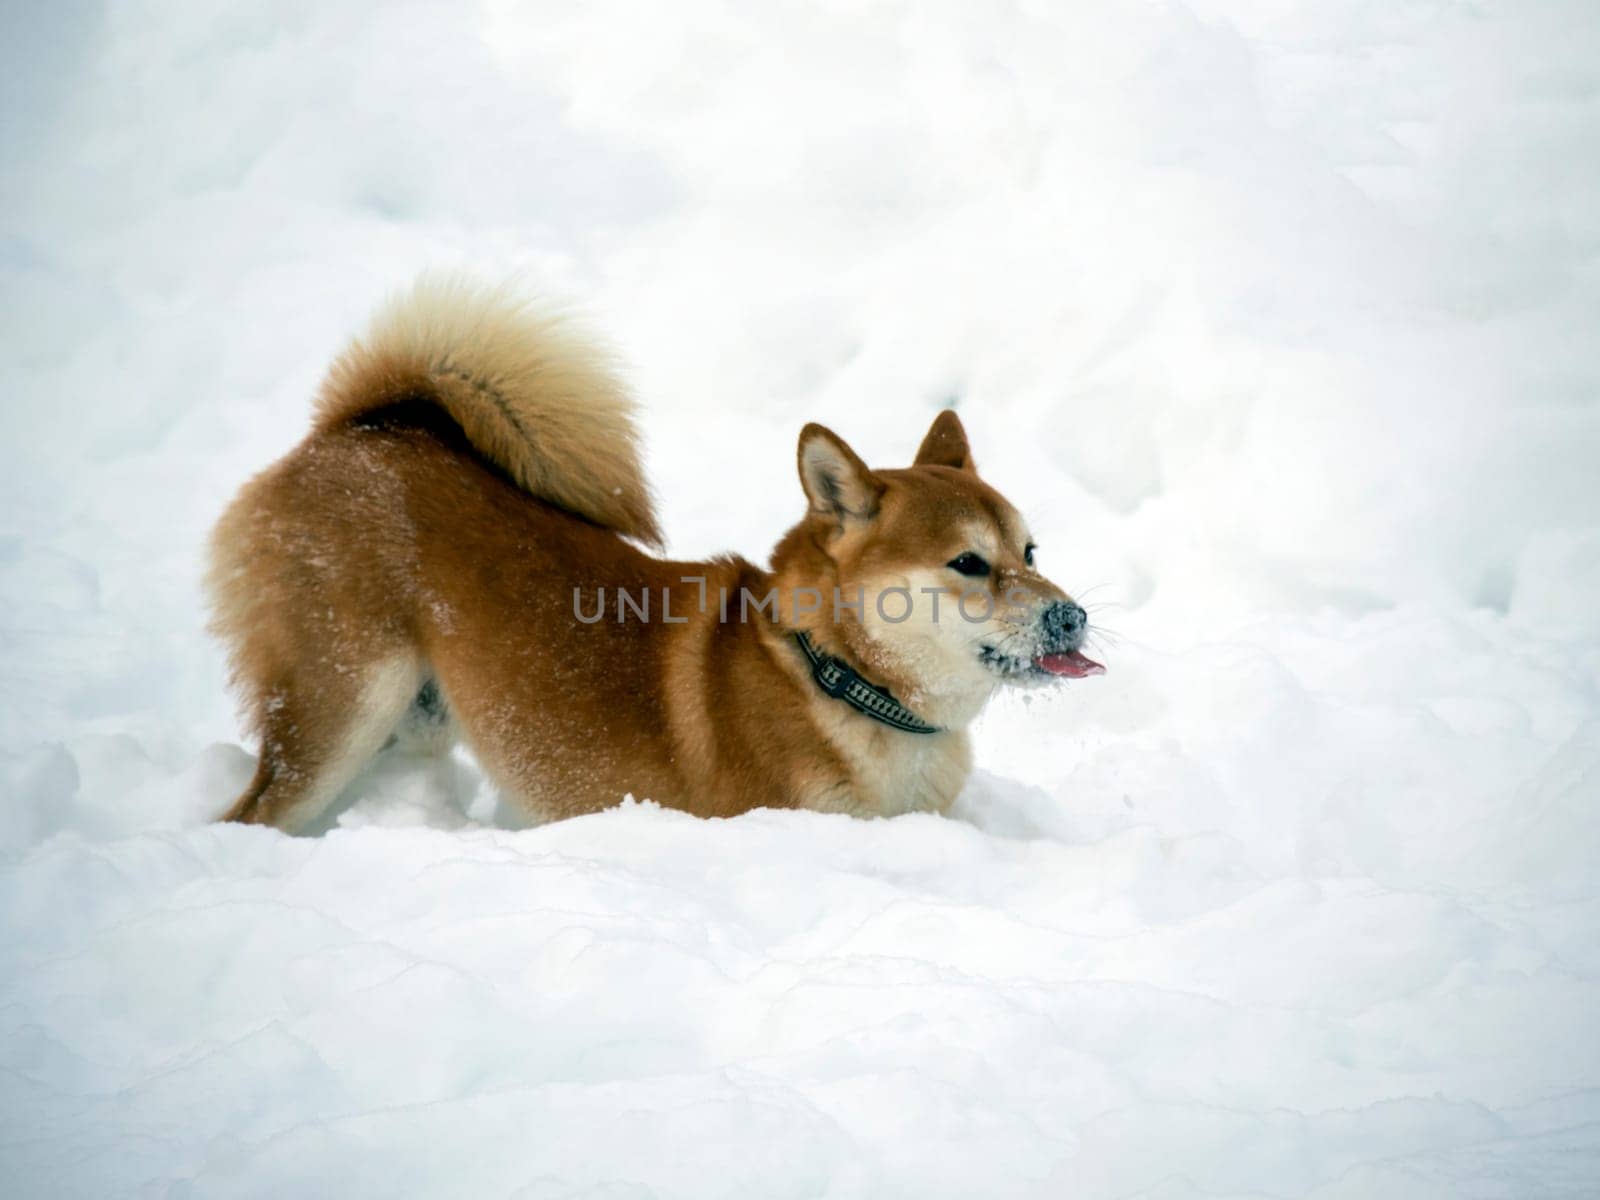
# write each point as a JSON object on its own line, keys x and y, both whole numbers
{"x": 1276, "y": 319}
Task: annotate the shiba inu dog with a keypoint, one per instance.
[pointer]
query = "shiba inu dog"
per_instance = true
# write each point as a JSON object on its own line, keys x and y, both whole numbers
{"x": 455, "y": 550}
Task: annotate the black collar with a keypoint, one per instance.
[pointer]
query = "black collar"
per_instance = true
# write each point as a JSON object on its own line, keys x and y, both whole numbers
{"x": 834, "y": 676}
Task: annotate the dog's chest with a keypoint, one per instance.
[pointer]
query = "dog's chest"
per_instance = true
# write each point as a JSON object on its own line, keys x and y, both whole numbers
{"x": 894, "y": 772}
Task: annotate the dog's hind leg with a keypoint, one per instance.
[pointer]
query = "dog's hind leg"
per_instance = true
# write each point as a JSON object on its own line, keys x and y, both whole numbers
{"x": 316, "y": 735}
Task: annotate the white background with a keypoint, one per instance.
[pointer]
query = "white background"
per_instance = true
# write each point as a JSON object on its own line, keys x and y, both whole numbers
{"x": 1277, "y": 320}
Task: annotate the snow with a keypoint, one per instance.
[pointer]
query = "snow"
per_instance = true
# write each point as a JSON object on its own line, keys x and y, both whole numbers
{"x": 1275, "y": 319}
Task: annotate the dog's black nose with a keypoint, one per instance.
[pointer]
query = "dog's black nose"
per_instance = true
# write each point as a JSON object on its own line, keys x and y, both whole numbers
{"x": 1063, "y": 622}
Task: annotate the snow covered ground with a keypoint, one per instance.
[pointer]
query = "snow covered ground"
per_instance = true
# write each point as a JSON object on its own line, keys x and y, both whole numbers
{"x": 1278, "y": 319}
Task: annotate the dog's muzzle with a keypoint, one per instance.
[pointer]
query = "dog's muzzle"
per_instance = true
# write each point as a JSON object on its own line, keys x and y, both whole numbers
{"x": 1062, "y": 627}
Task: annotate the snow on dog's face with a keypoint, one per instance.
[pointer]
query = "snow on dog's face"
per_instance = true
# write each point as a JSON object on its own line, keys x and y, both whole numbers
{"x": 927, "y": 574}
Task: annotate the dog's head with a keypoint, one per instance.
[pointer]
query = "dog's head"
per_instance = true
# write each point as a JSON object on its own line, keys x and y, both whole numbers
{"x": 927, "y": 575}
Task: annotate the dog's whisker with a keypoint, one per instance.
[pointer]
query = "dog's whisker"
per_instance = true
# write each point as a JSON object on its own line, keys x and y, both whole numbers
{"x": 1102, "y": 606}
{"x": 1100, "y": 638}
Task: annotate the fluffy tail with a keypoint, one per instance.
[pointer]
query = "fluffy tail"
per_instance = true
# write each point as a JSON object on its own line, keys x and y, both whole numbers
{"x": 530, "y": 393}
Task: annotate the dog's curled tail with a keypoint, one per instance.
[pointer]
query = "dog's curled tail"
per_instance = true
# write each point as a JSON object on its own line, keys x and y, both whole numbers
{"x": 530, "y": 392}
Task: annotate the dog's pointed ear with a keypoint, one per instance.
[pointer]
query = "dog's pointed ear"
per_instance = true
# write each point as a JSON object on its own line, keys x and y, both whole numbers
{"x": 836, "y": 481}
{"x": 946, "y": 444}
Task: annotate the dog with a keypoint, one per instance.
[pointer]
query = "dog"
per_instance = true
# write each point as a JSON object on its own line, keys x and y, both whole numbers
{"x": 458, "y": 549}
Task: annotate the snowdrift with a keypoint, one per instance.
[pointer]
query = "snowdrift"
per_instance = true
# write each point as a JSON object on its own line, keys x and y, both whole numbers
{"x": 1274, "y": 321}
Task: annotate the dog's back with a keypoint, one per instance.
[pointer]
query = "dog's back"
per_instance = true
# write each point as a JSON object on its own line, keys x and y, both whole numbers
{"x": 430, "y": 435}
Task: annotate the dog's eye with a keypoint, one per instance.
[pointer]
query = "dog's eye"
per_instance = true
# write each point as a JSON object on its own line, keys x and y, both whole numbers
{"x": 1027, "y": 554}
{"x": 969, "y": 564}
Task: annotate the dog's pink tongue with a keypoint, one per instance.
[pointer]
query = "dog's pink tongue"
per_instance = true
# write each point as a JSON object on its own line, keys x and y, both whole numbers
{"x": 1071, "y": 664}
